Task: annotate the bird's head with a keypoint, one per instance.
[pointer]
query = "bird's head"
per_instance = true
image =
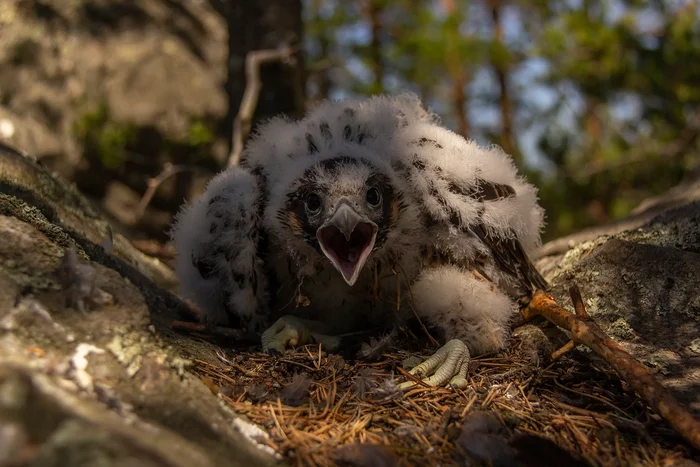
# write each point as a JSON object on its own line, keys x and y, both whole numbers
{"x": 344, "y": 207}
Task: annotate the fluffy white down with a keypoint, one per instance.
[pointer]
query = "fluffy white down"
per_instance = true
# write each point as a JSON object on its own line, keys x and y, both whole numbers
{"x": 392, "y": 126}
{"x": 463, "y": 161}
{"x": 281, "y": 145}
{"x": 192, "y": 237}
{"x": 467, "y": 307}
{"x": 425, "y": 161}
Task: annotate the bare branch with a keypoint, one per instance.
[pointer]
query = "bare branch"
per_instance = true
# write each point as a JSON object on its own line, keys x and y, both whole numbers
{"x": 585, "y": 331}
{"x": 566, "y": 348}
{"x": 242, "y": 123}
{"x": 168, "y": 171}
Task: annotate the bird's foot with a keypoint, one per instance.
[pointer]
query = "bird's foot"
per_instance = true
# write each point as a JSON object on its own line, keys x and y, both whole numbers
{"x": 449, "y": 365}
{"x": 290, "y": 331}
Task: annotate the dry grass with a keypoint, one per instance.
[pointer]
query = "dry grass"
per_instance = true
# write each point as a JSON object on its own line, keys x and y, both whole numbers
{"x": 575, "y": 402}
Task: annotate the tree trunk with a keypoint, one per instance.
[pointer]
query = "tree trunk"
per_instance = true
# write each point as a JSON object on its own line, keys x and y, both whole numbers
{"x": 321, "y": 76}
{"x": 505, "y": 103}
{"x": 458, "y": 74}
{"x": 373, "y": 12}
{"x": 256, "y": 26}
{"x": 459, "y": 102}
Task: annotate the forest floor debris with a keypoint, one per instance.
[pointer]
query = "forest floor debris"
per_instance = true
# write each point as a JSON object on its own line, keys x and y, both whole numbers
{"x": 577, "y": 402}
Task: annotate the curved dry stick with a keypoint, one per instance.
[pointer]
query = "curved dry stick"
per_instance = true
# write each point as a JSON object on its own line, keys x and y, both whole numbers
{"x": 244, "y": 118}
{"x": 168, "y": 171}
{"x": 585, "y": 331}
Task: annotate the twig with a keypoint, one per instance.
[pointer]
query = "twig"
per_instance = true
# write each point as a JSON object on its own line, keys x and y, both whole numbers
{"x": 413, "y": 378}
{"x": 585, "y": 331}
{"x": 242, "y": 123}
{"x": 168, "y": 171}
{"x": 579, "y": 307}
{"x": 568, "y": 347}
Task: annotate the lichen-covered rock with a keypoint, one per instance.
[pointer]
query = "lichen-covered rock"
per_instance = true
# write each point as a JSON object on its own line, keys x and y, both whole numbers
{"x": 107, "y": 92}
{"x": 642, "y": 285}
{"x": 157, "y": 64}
{"x": 110, "y": 386}
{"x": 59, "y": 211}
{"x": 107, "y": 386}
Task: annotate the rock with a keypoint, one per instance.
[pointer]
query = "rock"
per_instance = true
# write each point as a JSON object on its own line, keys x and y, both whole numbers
{"x": 112, "y": 90}
{"x": 58, "y": 210}
{"x": 641, "y": 283}
{"x": 157, "y": 64}
{"x": 644, "y": 213}
{"x": 108, "y": 386}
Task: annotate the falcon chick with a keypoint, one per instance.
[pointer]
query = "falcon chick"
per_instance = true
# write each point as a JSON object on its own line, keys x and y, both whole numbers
{"x": 331, "y": 220}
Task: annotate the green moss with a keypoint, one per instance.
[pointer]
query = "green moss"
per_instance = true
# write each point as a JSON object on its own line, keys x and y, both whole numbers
{"x": 621, "y": 207}
{"x": 108, "y": 142}
{"x": 200, "y": 134}
{"x": 104, "y": 139}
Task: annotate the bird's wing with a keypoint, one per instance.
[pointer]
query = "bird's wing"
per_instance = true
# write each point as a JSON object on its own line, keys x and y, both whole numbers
{"x": 473, "y": 192}
{"x": 220, "y": 241}
{"x": 509, "y": 255}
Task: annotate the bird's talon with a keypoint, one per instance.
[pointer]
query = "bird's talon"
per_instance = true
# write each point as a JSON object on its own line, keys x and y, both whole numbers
{"x": 447, "y": 366}
{"x": 458, "y": 382}
{"x": 288, "y": 331}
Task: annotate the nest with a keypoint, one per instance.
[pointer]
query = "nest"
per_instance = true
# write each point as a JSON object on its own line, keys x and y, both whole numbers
{"x": 320, "y": 409}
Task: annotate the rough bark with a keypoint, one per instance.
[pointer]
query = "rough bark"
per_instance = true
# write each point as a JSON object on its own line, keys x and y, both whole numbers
{"x": 505, "y": 102}
{"x": 458, "y": 75}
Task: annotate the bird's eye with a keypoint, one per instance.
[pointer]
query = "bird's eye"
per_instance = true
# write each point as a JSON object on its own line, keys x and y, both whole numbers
{"x": 374, "y": 197}
{"x": 313, "y": 203}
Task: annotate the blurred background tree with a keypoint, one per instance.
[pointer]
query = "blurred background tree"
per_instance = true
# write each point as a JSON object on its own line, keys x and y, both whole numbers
{"x": 598, "y": 101}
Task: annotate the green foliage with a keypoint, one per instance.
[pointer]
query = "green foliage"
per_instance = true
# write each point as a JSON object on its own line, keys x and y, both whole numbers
{"x": 622, "y": 120}
{"x": 103, "y": 138}
{"x": 110, "y": 144}
{"x": 620, "y": 161}
{"x": 200, "y": 134}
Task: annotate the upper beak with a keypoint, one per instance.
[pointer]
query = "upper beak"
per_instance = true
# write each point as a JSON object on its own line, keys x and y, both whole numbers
{"x": 347, "y": 239}
{"x": 345, "y": 219}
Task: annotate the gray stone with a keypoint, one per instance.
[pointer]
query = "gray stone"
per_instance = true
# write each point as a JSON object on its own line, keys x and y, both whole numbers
{"x": 111, "y": 386}
{"x": 99, "y": 388}
{"x": 157, "y": 64}
{"x": 642, "y": 285}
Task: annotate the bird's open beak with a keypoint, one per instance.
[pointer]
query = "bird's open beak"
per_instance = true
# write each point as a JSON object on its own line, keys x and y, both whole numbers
{"x": 347, "y": 239}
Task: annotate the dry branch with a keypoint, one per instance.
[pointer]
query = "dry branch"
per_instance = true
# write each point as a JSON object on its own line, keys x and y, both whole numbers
{"x": 242, "y": 123}
{"x": 566, "y": 348}
{"x": 585, "y": 331}
{"x": 168, "y": 171}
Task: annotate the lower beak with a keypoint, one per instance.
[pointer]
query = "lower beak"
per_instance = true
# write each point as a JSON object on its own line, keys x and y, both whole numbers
{"x": 347, "y": 239}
